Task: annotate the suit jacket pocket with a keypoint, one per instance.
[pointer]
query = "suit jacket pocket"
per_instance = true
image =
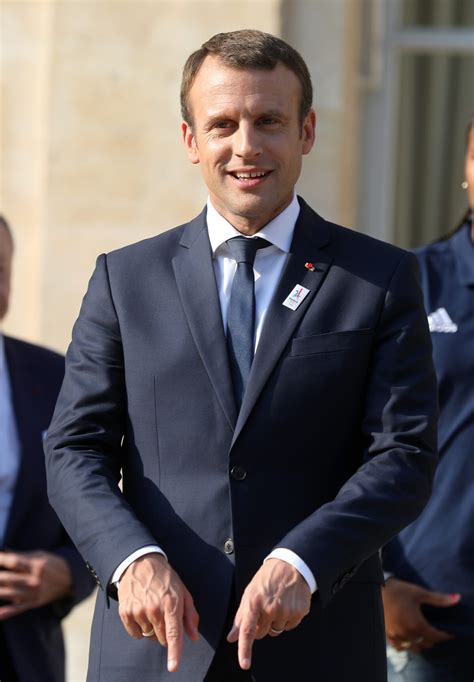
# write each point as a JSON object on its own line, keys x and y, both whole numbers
{"x": 331, "y": 342}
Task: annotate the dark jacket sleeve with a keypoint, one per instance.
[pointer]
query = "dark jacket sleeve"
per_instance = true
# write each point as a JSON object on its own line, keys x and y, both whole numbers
{"x": 399, "y": 437}
{"x": 95, "y": 425}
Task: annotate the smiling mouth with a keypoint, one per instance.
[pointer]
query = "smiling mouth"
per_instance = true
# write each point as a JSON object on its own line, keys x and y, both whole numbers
{"x": 250, "y": 178}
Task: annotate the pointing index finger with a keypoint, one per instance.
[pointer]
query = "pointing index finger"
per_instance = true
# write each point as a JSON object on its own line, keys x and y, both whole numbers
{"x": 174, "y": 638}
{"x": 247, "y": 632}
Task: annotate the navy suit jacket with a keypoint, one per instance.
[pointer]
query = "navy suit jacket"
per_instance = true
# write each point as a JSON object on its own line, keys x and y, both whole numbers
{"x": 34, "y": 638}
{"x": 336, "y": 434}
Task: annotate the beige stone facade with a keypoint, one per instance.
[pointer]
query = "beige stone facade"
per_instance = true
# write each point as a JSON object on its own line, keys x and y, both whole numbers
{"x": 91, "y": 153}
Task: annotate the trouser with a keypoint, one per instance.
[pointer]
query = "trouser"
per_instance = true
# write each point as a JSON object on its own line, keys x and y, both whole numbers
{"x": 7, "y": 671}
{"x": 451, "y": 661}
{"x": 225, "y": 665}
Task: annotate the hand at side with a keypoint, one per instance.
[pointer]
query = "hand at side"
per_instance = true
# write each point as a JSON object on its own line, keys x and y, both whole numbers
{"x": 153, "y": 597}
{"x": 276, "y": 599}
{"x": 29, "y": 580}
{"x": 405, "y": 624}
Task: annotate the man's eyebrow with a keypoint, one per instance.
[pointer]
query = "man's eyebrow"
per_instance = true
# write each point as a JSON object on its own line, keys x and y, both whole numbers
{"x": 271, "y": 112}
{"x": 225, "y": 116}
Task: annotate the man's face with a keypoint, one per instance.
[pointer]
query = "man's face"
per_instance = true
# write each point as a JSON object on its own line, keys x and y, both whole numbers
{"x": 6, "y": 252}
{"x": 247, "y": 136}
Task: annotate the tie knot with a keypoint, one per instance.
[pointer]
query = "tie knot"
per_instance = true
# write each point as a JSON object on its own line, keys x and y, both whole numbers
{"x": 244, "y": 249}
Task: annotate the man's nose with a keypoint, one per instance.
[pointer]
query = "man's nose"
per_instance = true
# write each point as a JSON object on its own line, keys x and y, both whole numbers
{"x": 247, "y": 143}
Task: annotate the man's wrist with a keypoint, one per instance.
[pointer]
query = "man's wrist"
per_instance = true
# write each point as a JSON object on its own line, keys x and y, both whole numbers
{"x": 122, "y": 567}
{"x": 297, "y": 562}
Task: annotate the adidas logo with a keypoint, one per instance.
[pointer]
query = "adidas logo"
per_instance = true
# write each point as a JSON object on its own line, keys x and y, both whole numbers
{"x": 439, "y": 321}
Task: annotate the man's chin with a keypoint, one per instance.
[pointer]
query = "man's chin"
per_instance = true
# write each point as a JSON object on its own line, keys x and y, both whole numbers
{"x": 251, "y": 207}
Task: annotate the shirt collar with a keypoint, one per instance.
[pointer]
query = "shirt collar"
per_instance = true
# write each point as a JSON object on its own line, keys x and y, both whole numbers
{"x": 463, "y": 247}
{"x": 278, "y": 231}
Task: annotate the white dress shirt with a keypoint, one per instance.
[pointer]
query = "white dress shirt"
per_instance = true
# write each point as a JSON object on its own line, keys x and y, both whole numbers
{"x": 9, "y": 444}
{"x": 268, "y": 267}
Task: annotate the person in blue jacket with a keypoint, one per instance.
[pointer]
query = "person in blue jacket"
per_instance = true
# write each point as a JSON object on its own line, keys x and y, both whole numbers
{"x": 429, "y": 598}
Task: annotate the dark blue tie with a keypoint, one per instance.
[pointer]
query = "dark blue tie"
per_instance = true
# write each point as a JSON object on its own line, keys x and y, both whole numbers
{"x": 241, "y": 311}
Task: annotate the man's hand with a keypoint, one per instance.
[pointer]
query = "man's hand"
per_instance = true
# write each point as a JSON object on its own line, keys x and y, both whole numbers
{"x": 277, "y": 599}
{"x": 406, "y": 626}
{"x": 153, "y": 598}
{"x": 31, "y": 579}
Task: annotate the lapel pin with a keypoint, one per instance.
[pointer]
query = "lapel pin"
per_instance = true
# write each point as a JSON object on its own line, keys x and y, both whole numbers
{"x": 310, "y": 266}
{"x": 296, "y": 297}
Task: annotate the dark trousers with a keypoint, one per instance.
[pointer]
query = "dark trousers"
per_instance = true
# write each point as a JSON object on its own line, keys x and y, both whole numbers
{"x": 451, "y": 661}
{"x": 7, "y": 671}
{"x": 225, "y": 665}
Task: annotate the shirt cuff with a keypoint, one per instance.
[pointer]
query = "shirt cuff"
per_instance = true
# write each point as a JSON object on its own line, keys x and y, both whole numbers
{"x": 387, "y": 575}
{"x": 121, "y": 568}
{"x": 291, "y": 558}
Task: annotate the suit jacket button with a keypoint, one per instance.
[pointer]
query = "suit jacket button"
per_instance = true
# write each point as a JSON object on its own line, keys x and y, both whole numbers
{"x": 228, "y": 546}
{"x": 238, "y": 473}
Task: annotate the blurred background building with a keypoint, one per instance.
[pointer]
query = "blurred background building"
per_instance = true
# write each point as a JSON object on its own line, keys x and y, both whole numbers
{"x": 91, "y": 152}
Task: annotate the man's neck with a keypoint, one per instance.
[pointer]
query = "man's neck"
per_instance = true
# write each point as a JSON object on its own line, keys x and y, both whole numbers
{"x": 250, "y": 226}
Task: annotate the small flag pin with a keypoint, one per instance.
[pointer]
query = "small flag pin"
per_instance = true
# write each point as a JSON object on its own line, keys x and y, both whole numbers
{"x": 310, "y": 266}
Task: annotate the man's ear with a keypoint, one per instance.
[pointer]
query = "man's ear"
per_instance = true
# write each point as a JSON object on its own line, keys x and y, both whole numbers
{"x": 190, "y": 142}
{"x": 309, "y": 131}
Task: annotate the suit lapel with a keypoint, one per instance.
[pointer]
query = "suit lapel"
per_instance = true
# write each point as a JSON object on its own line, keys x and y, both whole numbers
{"x": 195, "y": 278}
{"x": 311, "y": 244}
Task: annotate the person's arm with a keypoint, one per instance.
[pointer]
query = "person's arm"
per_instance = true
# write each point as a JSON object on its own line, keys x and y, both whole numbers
{"x": 84, "y": 459}
{"x": 398, "y": 442}
{"x": 84, "y": 442}
{"x": 392, "y": 485}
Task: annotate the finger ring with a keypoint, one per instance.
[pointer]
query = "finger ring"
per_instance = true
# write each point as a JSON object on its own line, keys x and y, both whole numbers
{"x": 406, "y": 644}
{"x": 274, "y": 631}
{"x": 148, "y": 634}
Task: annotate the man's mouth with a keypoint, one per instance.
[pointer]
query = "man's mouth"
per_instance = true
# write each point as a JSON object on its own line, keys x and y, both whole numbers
{"x": 250, "y": 178}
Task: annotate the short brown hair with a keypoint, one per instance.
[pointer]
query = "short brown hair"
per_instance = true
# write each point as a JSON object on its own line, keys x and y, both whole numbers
{"x": 252, "y": 50}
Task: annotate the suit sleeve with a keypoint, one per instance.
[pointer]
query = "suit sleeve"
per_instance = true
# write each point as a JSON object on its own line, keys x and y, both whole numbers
{"x": 398, "y": 433}
{"x": 82, "y": 581}
{"x": 84, "y": 443}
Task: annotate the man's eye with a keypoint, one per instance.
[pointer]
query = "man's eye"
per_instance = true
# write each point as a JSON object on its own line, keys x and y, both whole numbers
{"x": 222, "y": 124}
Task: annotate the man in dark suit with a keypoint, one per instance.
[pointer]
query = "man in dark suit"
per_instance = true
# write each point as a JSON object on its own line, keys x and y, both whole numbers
{"x": 42, "y": 575}
{"x": 270, "y": 404}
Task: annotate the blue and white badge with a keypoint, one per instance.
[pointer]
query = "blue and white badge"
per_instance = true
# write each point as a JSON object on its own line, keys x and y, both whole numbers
{"x": 296, "y": 297}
